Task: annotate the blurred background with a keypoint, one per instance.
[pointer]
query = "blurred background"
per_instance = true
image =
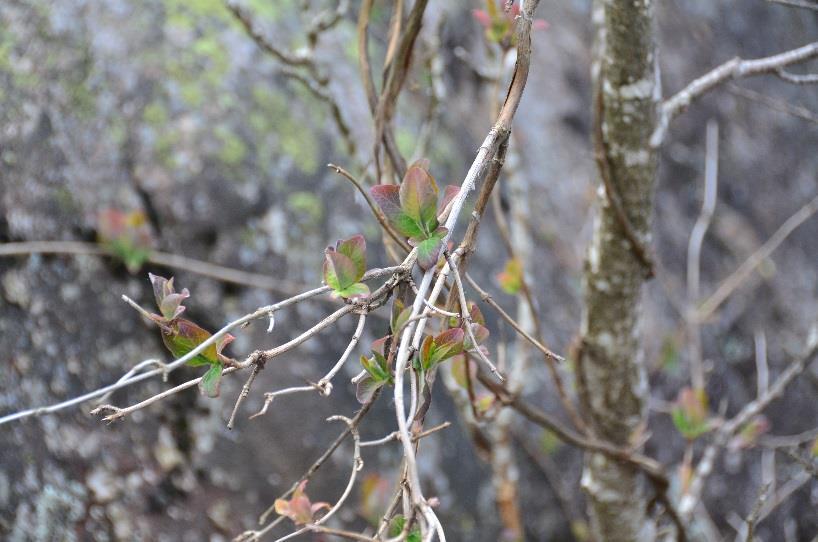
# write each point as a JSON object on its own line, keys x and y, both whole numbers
{"x": 167, "y": 118}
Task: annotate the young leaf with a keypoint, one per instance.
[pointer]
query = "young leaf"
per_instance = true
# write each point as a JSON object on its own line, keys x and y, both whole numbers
{"x": 690, "y": 413}
{"x": 511, "y": 278}
{"x": 356, "y": 291}
{"x": 396, "y": 528}
{"x": 168, "y": 301}
{"x": 345, "y": 265}
{"x": 209, "y": 384}
{"x": 182, "y": 336}
{"x": 418, "y": 198}
{"x": 448, "y": 344}
{"x": 366, "y": 388}
{"x": 429, "y": 249}
{"x": 299, "y": 508}
{"x": 354, "y": 248}
{"x": 127, "y": 235}
{"x": 400, "y": 315}
{"x": 387, "y": 196}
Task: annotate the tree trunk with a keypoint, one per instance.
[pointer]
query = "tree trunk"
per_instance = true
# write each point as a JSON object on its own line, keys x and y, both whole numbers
{"x": 611, "y": 374}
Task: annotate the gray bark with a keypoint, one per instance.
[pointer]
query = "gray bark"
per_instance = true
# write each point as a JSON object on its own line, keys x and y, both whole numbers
{"x": 611, "y": 374}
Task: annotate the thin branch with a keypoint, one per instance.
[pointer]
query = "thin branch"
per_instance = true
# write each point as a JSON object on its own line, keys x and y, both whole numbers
{"x": 245, "y": 391}
{"x": 694, "y": 249}
{"x": 741, "y": 274}
{"x": 485, "y": 296}
{"x": 752, "y": 518}
{"x": 732, "y": 69}
{"x": 387, "y": 227}
{"x": 776, "y": 105}
{"x": 795, "y": 4}
{"x": 729, "y": 428}
{"x": 261, "y": 312}
{"x": 798, "y": 79}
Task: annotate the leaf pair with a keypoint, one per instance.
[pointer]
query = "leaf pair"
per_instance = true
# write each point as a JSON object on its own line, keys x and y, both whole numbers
{"x": 299, "y": 508}
{"x": 377, "y": 369}
{"x": 344, "y": 267}
{"x": 413, "y": 210}
{"x": 181, "y": 336}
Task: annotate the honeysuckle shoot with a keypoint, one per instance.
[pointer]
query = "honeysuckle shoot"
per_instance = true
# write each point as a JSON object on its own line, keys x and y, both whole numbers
{"x": 126, "y": 235}
{"x": 690, "y": 414}
{"x": 181, "y": 336}
{"x": 344, "y": 267}
{"x": 414, "y": 211}
{"x": 377, "y": 369}
{"x": 299, "y": 508}
{"x": 445, "y": 345}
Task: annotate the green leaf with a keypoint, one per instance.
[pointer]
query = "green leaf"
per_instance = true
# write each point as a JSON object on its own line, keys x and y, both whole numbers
{"x": 126, "y": 235}
{"x": 448, "y": 344}
{"x": 357, "y": 290}
{"x": 209, "y": 384}
{"x": 387, "y": 196}
{"x": 400, "y": 315}
{"x": 396, "y": 528}
{"x": 429, "y": 249}
{"x": 339, "y": 270}
{"x": 418, "y": 198}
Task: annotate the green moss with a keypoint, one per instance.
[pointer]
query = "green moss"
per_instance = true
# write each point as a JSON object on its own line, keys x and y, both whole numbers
{"x": 233, "y": 150}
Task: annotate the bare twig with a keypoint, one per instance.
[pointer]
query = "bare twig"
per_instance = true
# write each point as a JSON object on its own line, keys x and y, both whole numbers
{"x": 245, "y": 391}
{"x": 741, "y": 274}
{"x": 772, "y": 103}
{"x": 752, "y": 518}
{"x": 732, "y": 69}
{"x": 694, "y": 249}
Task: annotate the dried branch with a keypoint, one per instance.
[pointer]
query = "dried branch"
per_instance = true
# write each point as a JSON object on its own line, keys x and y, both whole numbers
{"x": 795, "y": 4}
{"x": 776, "y": 105}
{"x": 732, "y": 69}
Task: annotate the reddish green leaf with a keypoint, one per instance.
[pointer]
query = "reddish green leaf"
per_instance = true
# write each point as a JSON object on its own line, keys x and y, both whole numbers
{"x": 181, "y": 336}
{"x": 511, "y": 278}
{"x": 209, "y": 384}
{"x": 126, "y": 235}
{"x": 476, "y": 314}
{"x": 418, "y": 198}
{"x": 429, "y": 249}
{"x": 339, "y": 270}
{"x": 690, "y": 413}
{"x": 448, "y": 344}
{"x": 167, "y": 299}
{"x": 354, "y": 248}
{"x": 748, "y": 435}
{"x": 387, "y": 196}
{"x": 481, "y": 333}
{"x": 459, "y": 364}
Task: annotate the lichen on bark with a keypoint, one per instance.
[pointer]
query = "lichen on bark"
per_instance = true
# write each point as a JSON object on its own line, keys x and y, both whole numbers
{"x": 611, "y": 374}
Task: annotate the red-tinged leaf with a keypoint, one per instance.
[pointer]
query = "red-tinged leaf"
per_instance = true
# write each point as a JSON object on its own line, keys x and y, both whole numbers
{"x": 418, "y": 198}
{"x": 167, "y": 299}
{"x": 354, "y": 248}
{"x": 375, "y": 490}
{"x": 511, "y": 278}
{"x": 126, "y": 235}
{"x": 388, "y": 199}
{"x": 181, "y": 336}
{"x": 426, "y": 352}
{"x": 422, "y": 163}
{"x": 379, "y": 346}
{"x": 299, "y": 508}
{"x": 339, "y": 270}
{"x": 748, "y": 436}
{"x": 476, "y": 314}
{"x": 448, "y": 344}
{"x": 449, "y": 193}
{"x": 366, "y": 388}
{"x": 209, "y": 384}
